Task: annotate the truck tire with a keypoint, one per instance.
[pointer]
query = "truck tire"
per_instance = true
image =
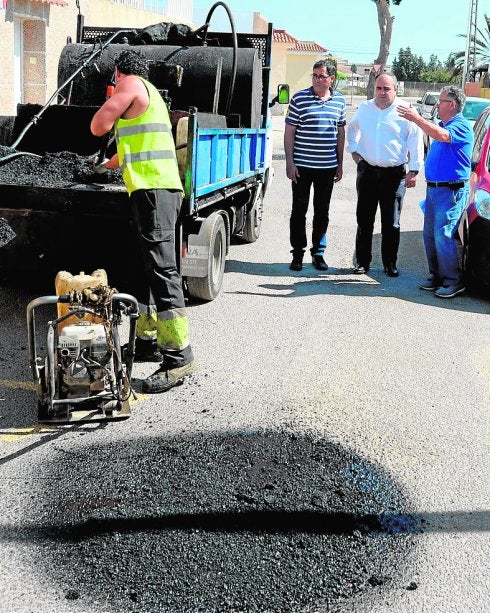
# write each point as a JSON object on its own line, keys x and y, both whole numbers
{"x": 253, "y": 222}
{"x": 208, "y": 287}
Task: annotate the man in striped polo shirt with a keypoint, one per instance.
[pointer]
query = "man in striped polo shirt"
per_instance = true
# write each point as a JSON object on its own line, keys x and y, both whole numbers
{"x": 314, "y": 138}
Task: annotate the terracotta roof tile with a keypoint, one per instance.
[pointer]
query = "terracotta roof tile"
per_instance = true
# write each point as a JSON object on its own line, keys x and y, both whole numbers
{"x": 309, "y": 45}
{"x": 281, "y": 36}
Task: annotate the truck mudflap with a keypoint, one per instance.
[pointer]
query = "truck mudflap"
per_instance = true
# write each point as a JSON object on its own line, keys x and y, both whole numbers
{"x": 203, "y": 266}
{"x": 195, "y": 260}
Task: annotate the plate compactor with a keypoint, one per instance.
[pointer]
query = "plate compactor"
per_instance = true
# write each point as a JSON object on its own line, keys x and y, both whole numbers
{"x": 86, "y": 373}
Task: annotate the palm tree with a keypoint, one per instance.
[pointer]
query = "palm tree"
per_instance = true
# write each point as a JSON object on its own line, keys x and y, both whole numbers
{"x": 385, "y": 24}
{"x": 481, "y": 45}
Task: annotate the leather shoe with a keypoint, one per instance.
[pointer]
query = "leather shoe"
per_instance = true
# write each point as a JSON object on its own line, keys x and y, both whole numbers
{"x": 319, "y": 263}
{"x": 296, "y": 265}
{"x": 391, "y": 270}
{"x": 360, "y": 270}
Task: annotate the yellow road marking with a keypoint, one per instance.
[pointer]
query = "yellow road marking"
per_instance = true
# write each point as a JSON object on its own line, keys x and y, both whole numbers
{"x": 9, "y": 435}
{"x": 18, "y": 385}
{"x": 18, "y": 433}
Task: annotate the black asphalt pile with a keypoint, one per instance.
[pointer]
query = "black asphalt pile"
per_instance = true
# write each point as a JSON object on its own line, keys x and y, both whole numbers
{"x": 6, "y": 232}
{"x": 239, "y": 522}
{"x": 62, "y": 169}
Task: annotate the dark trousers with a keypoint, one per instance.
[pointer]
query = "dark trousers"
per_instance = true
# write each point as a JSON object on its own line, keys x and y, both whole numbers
{"x": 155, "y": 213}
{"x": 322, "y": 181}
{"x": 386, "y": 187}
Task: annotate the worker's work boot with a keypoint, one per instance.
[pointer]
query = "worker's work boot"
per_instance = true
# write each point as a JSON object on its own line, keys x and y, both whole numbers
{"x": 166, "y": 378}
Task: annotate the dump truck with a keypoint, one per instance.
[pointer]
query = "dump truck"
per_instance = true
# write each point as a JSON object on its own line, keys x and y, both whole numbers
{"x": 216, "y": 85}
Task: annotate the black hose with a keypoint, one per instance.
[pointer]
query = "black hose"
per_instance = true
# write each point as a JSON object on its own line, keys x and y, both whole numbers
{"x": 235, "y": 49}
{"x": 13, "y": 156}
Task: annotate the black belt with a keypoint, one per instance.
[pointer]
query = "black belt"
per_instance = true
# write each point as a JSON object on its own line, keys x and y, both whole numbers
{"x": 450, "y": 184}
{"x": 384, "y": 167}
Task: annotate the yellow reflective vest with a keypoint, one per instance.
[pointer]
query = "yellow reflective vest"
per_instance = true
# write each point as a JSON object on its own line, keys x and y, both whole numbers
{"x": 146, "y": 149}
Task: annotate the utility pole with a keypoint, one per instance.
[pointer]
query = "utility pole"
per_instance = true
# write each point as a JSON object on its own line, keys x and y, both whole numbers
{"x": 470, "y": 53}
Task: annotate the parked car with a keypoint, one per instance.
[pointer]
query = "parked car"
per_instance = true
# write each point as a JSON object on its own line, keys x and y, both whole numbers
{"x": 471, "y": 110}
{"x": 426, "y": 103}
{"x": 474, "y": 227}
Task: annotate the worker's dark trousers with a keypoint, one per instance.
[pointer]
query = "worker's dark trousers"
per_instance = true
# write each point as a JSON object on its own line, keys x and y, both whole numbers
{"x": 322, "y": 181}
{"x": 155, "y": 214}
{"x": 385, "y": 186}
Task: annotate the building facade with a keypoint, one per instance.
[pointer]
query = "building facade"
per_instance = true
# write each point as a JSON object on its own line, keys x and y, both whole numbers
{"x": 34, "y": 32}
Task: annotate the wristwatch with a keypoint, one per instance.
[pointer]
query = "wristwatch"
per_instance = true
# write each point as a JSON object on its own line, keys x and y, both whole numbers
{"x": 414, "y": 172}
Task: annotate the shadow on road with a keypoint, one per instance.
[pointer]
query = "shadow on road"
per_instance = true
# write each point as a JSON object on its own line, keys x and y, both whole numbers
{"x": 278, "y": 521}
{"x": 342, "y": 281}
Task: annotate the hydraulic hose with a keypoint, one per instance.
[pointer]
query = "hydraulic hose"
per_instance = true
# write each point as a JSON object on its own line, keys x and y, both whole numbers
{"x": 16, "y": 154}
{"x": 235, "y": 48}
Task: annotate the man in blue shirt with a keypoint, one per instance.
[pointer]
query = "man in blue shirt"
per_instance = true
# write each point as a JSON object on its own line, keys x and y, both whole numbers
{"x": 314, "y": 138}
{"x": 447, "y": 170}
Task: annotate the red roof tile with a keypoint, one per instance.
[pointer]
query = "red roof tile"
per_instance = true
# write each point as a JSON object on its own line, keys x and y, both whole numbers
{"x": 309, "y": 45}
{"x": 281, "y": 36}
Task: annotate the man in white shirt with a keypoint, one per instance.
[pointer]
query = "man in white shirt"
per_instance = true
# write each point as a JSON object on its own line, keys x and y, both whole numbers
{"x": 381, "y": 145}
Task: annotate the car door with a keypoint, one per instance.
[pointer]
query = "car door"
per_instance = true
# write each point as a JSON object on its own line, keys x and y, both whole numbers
{"x": 481, "y": 128}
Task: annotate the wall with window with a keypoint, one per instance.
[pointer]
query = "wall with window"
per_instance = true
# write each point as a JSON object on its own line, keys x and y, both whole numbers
{"x": 33, "y": 33}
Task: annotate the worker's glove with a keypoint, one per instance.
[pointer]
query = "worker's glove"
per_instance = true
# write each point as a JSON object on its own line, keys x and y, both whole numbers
{"x": 99, "y": 167}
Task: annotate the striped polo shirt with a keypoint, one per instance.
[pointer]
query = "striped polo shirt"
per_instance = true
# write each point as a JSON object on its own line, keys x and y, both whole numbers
{"x": 317, "y": 122}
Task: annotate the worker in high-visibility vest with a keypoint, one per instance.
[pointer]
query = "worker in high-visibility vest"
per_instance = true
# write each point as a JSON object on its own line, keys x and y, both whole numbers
{"x": 146, "y": 155}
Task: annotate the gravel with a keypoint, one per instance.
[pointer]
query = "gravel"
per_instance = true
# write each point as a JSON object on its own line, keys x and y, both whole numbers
{"x": 59, "y": 170}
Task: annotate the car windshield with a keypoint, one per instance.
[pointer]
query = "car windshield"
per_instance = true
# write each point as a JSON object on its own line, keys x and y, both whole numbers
{"x": 431, "y": 100}
{"x": 472, "y": 109}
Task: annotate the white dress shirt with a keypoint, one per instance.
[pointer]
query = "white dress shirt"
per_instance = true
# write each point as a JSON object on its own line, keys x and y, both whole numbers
{"x": 383, "y": 138}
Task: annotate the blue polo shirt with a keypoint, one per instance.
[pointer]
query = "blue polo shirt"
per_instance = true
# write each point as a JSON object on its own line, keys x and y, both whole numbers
{"x": 451, "y": 161}
{"x": 317, "y": 122}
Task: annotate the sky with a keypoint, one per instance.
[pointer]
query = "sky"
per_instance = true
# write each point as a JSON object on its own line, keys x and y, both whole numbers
{"x": 349, "y": 28}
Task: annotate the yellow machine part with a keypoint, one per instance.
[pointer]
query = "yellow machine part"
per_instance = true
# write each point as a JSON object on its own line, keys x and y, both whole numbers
{"x": 65, "y": 282}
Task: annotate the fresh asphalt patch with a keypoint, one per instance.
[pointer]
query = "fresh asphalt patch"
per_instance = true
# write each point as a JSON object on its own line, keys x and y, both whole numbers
{"x": 245, "y": 521}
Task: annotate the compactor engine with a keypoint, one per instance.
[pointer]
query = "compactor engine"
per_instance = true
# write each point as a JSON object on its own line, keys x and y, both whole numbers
{"x": 84, "y": 360}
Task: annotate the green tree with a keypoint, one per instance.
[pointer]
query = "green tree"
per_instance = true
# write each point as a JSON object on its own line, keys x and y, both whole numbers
{"x": 385, "y": 25}
{"x": 407, "y": 66}
{"x": 434, "y": 64}
{"x": 449, "y": 63}
{"x": 438, "y": 72}
{"x": 436, "y": 76}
